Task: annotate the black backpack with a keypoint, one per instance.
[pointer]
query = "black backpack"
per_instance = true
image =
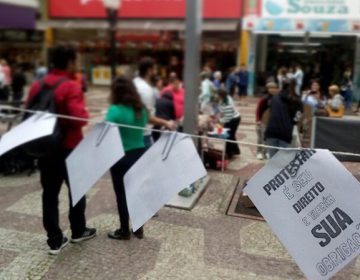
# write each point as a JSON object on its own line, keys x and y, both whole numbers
{"x": 44, "y": 101}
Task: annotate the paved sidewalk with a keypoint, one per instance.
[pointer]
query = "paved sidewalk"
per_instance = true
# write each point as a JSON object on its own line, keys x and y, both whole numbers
{"x": 200, "y": 244}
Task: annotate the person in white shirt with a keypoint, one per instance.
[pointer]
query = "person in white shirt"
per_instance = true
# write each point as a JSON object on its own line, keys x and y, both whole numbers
{"x": 147, "y": 69}
{"x": 299, "y": 77}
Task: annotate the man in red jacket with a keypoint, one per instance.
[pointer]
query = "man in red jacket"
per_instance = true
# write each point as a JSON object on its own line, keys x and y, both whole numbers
{"x": 69, "y": 101}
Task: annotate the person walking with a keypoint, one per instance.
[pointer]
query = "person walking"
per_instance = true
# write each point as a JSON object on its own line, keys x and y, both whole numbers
{"x": 6, "y": 80}
{"x": 41, "y": 71}
{"x": 242, "y": 82}
{"x": 206, "y": 94}
{"x": 147, "y": 70}
{"x": 262, "y": 115}
{"x": 284, "y": 113}
{"x": 178, "y": 95}
{"x": 230, "y": 83}
{"x": 3, "y": 93}
{"x": 347, "y": 88}
{"x": 165, "y": 109}
{"x": 298, "y": 77}
{"x": 69, "y": 101}
{"x": 217, "y": 82}
{"x": 230, "y": 118}
{"x": 18, "y": 84}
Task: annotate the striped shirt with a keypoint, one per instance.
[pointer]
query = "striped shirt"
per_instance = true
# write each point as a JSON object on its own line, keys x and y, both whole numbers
{"x": 228, "y": 111}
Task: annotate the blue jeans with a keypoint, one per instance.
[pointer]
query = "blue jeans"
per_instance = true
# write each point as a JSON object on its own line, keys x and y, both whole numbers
{"x": 276, "y": 143}
{"x": 347, "y": 98}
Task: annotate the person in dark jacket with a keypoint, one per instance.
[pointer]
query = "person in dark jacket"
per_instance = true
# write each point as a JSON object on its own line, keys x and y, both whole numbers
{"x": 69, "y": 100}
{"x": 165, "y": 109}
{"x": 285, "y": 110}
{"x": 18, "y": 84}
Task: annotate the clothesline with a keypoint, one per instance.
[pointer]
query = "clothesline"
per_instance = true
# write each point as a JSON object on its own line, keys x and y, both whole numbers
{"x": 203, "y": 137}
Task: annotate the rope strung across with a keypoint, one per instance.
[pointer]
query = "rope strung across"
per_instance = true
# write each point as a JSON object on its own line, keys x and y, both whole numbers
{"x": 167, "y": 131}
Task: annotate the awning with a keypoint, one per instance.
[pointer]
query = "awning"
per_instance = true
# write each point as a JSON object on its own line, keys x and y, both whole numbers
{"x": 18, "y": 14}
{"x": 314, "y": 26}
{"x": 208, "y": 25}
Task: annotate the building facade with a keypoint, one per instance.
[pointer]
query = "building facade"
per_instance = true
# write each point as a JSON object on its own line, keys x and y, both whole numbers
{"x": 321, "y": 35}
{"x": 144, "y": 27}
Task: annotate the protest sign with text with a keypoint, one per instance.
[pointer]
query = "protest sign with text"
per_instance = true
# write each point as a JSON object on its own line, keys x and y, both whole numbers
{"x": 311, "y": 202}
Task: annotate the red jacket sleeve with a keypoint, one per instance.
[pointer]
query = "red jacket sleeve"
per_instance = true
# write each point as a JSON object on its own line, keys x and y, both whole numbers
{"x": 259, "y": 109}
{"x": 35, "y": 87}
{"x": 75, "y": 105}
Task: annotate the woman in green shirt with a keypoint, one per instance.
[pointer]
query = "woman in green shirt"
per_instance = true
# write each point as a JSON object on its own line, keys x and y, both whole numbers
{"x": 126, "y": 108}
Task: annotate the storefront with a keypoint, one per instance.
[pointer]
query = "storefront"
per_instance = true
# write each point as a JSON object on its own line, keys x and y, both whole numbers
{"x": 18, "y": 14}
{"x": 145, "y": 27}
{"x": 21, "y": 47}
{"x": 321, "y": 35}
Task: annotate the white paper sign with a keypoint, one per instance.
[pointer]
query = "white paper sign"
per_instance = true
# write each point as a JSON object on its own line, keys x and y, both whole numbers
{"x": 311, "y": 202}
{"x": 97, "y": 153}
{"x": 166, "y": 168}
{"x": 37, "y": 126}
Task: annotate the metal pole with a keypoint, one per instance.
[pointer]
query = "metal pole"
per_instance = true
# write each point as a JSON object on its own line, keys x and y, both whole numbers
{"x": 192, "y": 64}
{"x": 240, "y": 29}
{"x": 113, "y": 58}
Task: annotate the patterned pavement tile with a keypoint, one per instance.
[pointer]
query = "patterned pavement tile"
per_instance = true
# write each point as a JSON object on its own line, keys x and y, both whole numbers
{"x": 200, "y": 244}
{"x": 30, "y": 203}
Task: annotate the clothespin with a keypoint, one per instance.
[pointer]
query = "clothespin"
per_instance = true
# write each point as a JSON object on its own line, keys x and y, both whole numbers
{"x": 168, "y": 146}
{"x": 39, "y": 115}
{"x": 102, "y": 134}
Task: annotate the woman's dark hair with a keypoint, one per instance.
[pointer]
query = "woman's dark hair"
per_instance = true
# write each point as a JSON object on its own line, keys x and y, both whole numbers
{"x": 61, "y": 55}
{"x": 224, "y": 96}
{"x": 123, "y": 92}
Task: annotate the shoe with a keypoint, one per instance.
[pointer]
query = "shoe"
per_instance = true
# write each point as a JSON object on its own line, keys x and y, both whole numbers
{"x": 87, "y": 234}
{"x": 119, "y": 235}
{"x": 139, "y": 233}
{"x": 54, "y": 250}
{"x": 260, "y": 156}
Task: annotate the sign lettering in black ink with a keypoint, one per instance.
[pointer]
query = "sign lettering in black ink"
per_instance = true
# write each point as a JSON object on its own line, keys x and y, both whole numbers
{"x": 320, "y": 208}
{"x": 330, "y": 227}
{"x": 302, "y": 180}
{"x": 290, "y": 171}
{"x": 341, "y": 253}
{"x": 308, "y": 197}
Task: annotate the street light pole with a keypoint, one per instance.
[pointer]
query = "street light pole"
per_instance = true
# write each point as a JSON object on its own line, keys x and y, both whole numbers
{"x": 112, "y": 7}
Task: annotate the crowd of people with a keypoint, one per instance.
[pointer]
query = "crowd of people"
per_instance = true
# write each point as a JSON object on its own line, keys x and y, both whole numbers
{"x": 284, "y": 101}
{"x": 145, "y": 101}
{"x": 148, "y": 101}
{"x": 217, "y": 101}
{"x": 13, "y": 80}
